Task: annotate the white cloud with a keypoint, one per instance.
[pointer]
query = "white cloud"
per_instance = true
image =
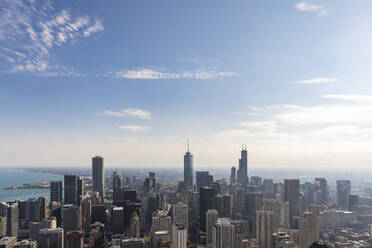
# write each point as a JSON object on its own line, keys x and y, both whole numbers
{"x": 319, "y": 80}
{"x": 135, "y": 128}
{"x": 318, "y": 9}
{"x": 359, "y": 98}
{"x": 151, "y": 73}
{"x": 29, "y": 30}
{"x": 129, "y": 112}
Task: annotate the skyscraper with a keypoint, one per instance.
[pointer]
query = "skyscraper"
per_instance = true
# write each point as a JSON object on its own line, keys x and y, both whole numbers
{"x": 180, "y": 214}
{"x": 223, "y": 234}
{"x": 243, "y": 167}
{"x": 188, "y": 168}
{"x": 292, "y": 195}
{"x": 308, "y": 229}
{"x": 12, "y": 220}
{"x": 343, "y": 194}
{"x": 179, "y": 236}
{"x": 56, "y": 191}
{"x": 116, "y": 186}
{"x": 203, "y": 179}
{"x": 265, "y": 228}
{"x": 322, "y": 194}
{"x": 207, "y": 201}
{"x": 233, "y": 175}
{"x": 212, "y": 217}
{"x": 98, "y": 176}
{"x": 71, "y": 188}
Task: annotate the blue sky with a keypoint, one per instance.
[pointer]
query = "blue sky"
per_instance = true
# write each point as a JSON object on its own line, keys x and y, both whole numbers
{"x": 131, "y": 80}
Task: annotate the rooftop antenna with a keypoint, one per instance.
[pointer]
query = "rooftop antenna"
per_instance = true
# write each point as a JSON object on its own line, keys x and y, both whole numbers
{"x": 245, "y": 145}
{"x": 242, "y": 146}
{"x": 188, "y": 144}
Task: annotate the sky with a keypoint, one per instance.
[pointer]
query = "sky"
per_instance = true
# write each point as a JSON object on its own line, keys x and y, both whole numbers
{"x": 132, "y": 80}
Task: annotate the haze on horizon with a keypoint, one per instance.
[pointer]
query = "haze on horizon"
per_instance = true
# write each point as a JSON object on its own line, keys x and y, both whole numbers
{"x": 131, "y": 80}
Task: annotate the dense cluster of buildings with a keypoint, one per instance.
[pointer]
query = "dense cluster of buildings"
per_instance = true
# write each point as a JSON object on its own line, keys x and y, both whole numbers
{"x": 196, "y": 212}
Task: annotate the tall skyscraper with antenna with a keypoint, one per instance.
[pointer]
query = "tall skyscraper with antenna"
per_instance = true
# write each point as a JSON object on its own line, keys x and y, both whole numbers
{"x": 188, "y": 167}
{"x": 243, "y": 167}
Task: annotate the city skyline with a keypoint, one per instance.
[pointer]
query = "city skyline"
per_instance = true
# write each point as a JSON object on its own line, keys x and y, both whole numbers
{"x": 131, "y": 78}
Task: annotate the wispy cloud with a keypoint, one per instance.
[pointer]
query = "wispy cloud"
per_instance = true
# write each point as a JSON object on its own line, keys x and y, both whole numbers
{"x": 29, "y": 30}
{"x": 160, "y": 73}
{"x": 129, "y": 112}
{"x": 318, "y": 80}
{"x": 135, "y": 128}
{"x": 318, "y": 9}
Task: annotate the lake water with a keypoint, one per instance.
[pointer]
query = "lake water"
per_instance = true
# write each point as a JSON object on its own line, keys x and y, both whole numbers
{"x": 18, "y": 177}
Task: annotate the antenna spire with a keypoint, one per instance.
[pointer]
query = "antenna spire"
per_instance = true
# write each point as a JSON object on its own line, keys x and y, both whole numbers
{"x": 188, "y": 144}
{"x": 242, "y": 146}
{"x": 245, "y": 142}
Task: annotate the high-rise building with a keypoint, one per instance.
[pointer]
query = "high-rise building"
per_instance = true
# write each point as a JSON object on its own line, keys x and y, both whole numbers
{"x": 188, "y": 168}
{"x": 207, "y": 201}
{"x": 180, "y": 214}
{"x": 252, "y": 203}
{"x": 203, "y": 179}
{"x": 2, "y": 226}
{"x": 223, "y": 234}
{"x": 233, "y": 175}
{"x": 292, "y": 195}
{"x": 265, "y": 228}
{"x": 212, "y": 217}
{"x": 308, "y": 229}
{"x": 179, "y": 236}
{"x": 12, "y": 220}
{"x": 117, "y": 220}
{"x": 322, "y": 193}
{"x": 98, "y": 176}
{"x": 71, "y": 218}
{"x": 268, "y": 188}
{"x": 243, "y": 167}
{"x": 70, "y": 190}
{"x": 79, "y": 190}
{"x": 116, "y": 186}
{"x": 343, "y": 194}
{"x": 56, "y": 191}
{"x": 50, "y": 238}
{"x": 8, "y": 242}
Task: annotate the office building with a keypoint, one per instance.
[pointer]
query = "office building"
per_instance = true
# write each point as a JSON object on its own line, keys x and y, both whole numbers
{"x": 322, "y": 191}
{"x": 117, "y": 220}
{"x": 56, "y": 191}
{"x": 71, "y": 218}
{"x": 179, "y": 236}
{"x": 8, "y": 242}
{"x": 343, "y": 194}
{"x": 203, "y": 179}
{"x": 233, "y": 175}
{"x": 207, "y": 201}
{"x": 265, "y": 228}
{"x": 12, "y": 220}
{"x": 243, "y": 168}
{"x": 308, "y": 229}
{"x": 292, "y": 196}
{"x": 180, "y": 214}
{"x": 98, "y": 176}
{"x": 188, "y": 168}
{"x": 211, "y": 219}
{"x": 70, "y": 190}
{"x": 116, "y": 187}
{"x": 223, "y": 234}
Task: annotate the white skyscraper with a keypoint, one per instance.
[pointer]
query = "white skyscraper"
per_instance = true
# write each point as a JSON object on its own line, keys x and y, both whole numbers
{"x": 223, "y": 234}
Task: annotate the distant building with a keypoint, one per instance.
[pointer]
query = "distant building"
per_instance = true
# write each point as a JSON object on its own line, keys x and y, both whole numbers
{"x": 70, "y": 190}
{"x": 233, "y": 175}
{"x": 343, "y": 194}
{"x": 56, "y": 191}
{"x": 98, "y": 176}
{"x": 322, "y": 193}
{"x": 292, "y": 195}
{"x": 117, "y": 220}
{"x": 116, "y": 187}
{"x": 12, "y": 220}
{"x": 203, "y": 179}
{"x": 188, "y": 168}
{"x": 243, "y": 168}
{"x": 71, "y": 218}
{"x": 207, "y": 201}
{"x": 180, "y": 214}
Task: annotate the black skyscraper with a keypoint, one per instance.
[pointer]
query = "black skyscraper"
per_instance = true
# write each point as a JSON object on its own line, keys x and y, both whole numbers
{"x": 292, "y": 195}
{"x": 207, "y": 201}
